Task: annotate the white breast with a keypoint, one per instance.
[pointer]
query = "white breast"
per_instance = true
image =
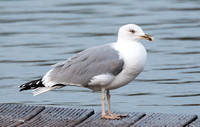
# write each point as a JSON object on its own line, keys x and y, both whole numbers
{"x": 134, "y": 56}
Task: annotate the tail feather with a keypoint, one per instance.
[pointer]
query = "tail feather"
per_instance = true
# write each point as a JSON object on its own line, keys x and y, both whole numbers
{"x": 31, "y": 85}
{"x": 41, "y": 90}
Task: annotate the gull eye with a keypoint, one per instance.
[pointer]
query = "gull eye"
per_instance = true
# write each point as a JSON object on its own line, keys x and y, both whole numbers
{"x": 132, "y": 31}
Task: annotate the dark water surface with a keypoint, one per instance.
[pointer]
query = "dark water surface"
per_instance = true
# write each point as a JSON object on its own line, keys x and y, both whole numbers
{"x": 35, "y": 34}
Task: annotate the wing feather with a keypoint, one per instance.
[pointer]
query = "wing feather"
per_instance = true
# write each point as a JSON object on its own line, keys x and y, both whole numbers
{"x": 81, "y": 68}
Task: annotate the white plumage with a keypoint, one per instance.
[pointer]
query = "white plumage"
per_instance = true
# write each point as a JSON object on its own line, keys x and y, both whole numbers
{"x": 100, "y": 68}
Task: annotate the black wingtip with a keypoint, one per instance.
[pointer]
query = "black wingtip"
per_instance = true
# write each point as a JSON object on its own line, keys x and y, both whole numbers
{"x": 22, "y": 87}
{"x": 31, "y": 85}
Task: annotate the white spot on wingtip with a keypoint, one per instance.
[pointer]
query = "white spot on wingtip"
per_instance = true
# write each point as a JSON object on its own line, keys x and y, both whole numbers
{"x": 37, "y": 82}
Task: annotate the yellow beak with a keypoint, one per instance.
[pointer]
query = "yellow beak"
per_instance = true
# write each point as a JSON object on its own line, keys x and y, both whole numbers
{"x": 147, "y": 37}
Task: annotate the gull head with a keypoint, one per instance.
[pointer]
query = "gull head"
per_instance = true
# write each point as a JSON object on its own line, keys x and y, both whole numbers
{"x": 132, "y": 32}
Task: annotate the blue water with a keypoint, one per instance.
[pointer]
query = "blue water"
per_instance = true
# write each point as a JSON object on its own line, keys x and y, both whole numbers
{"x": 37, "y": 34}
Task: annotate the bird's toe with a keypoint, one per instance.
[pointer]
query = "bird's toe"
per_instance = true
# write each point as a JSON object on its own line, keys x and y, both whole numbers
{"x": 113, "y": 116}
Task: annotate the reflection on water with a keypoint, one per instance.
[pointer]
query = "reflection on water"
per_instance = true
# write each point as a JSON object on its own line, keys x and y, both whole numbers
{"x": 37, "y": 34}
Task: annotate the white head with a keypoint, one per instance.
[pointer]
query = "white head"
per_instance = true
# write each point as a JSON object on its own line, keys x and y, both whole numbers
{"x": 132, "y": 32}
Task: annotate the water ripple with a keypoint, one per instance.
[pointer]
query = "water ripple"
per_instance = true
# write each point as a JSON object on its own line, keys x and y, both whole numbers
{"x": 182, "y": 38}
{"x": 185, "y": 95}
{"x": 54, "y": 30}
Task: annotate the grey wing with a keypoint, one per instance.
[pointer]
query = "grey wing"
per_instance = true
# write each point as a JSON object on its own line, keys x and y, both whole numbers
{"x": 81, "y": 68}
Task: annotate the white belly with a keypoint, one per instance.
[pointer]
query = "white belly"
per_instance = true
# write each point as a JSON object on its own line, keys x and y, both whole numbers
{"x": 134, "y": 56}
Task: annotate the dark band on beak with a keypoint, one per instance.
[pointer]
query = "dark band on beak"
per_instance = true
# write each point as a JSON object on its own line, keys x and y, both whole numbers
{"x": 147, "y": 37}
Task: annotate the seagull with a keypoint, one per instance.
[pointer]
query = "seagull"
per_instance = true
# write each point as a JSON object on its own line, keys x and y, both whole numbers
{"x": 100, "y": 68}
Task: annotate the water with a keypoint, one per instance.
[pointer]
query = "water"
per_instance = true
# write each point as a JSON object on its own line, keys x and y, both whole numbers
{"x": 37, "y": 34}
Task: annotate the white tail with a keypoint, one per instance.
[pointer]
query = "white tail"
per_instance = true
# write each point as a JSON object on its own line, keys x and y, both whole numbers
{"x": 41, "y": 90}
